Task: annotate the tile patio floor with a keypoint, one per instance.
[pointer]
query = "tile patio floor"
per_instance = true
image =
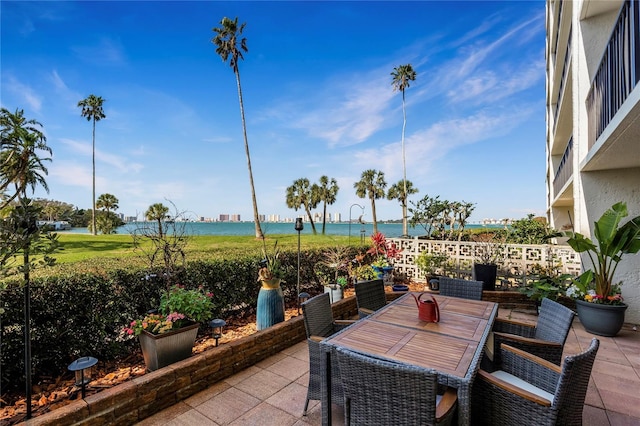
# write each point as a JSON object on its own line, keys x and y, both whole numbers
{"x": 273, "y": 391}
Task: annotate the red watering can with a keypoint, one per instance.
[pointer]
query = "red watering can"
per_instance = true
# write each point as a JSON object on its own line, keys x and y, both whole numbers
{"x": 428, "y": 310}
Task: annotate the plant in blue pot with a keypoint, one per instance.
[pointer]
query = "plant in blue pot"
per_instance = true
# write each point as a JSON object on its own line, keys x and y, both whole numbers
{"x": 384, "y": 252}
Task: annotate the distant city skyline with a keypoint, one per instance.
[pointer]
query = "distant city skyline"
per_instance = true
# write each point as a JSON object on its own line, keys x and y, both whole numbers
{"x": 318, "y": 100}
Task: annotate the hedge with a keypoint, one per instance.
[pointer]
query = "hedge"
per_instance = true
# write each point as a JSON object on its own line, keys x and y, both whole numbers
{"x": 80, "y": 309}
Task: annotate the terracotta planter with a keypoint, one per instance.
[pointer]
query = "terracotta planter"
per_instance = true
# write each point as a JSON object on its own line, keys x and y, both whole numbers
{"x": 160, "y": 350}
{"x": 270, "y": 308}
{"x": 603, "y": 320}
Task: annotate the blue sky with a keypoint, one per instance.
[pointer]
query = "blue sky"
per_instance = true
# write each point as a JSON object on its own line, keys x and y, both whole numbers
{"x": 317, "y": 94}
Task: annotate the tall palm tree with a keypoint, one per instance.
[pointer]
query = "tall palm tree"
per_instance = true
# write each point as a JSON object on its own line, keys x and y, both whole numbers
{"x": 157, "y": 212}
{"x": 326, "y": 193}
{"x": 230, "y": 45}
{"x": 92, "y": 110}
{"x": 300, "y": 195}
{"x": 107, "y": 202}
{"x": 399, "y": 191}
{"x": 20, "y": 164}
{"x": 402, "y": 75}
{"x": 372, "y": 185}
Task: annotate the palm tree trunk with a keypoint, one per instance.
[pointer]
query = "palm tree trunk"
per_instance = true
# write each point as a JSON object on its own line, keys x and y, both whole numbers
{"x": 324, "y": 216}
{"x": 256, "y": 218}
{"x": 373, "y": 213}
{"x": 93, "y": 199}
{"x": 404, "y": 172}
{"x": 313, "y": 226}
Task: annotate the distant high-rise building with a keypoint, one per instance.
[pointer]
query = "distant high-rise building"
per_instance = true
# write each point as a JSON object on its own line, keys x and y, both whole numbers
{"x": 235, "y": 218}
{"x": 337, "y": 217}
{"x": 224, "y": 218}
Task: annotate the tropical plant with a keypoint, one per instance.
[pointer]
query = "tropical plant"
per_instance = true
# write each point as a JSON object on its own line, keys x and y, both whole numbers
{"x": 336, "y": 260}
{"x": 300, "y": 194}
{"x": 529, "y": 230}
{"x": 372, "y": 185}
{"x": 431, "y": 263}
{"x": 613, "y": 241}
{"x": 179, "y": 307}
{"x": 325, "y": 193}
{"x": 400, "y": 191}
{"x": 107, "y": 202}
{"x": 382, "y": 250}
{"x": 402, "y": 76}
{"x": 92, "y": 110}
{"x": 229, "y": 45}
{"x": 436, "y": 215}
{"x": 270, "y": 266}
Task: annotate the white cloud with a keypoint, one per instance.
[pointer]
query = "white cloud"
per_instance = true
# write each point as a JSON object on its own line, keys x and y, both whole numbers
{"x": 24, "y": 92}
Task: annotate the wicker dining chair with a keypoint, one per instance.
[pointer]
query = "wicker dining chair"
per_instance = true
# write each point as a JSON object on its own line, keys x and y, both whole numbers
{"x": 545, "y": 339}
{"x": 531, "y": 391}
{"x": 370, "y": 296}
{"x": 319, "y": 324}
{"x": 381, "y": 392}
{"x": 456, "y": 287}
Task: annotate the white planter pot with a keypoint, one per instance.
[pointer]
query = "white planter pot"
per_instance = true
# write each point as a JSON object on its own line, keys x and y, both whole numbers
{"x": 335, "y": 293}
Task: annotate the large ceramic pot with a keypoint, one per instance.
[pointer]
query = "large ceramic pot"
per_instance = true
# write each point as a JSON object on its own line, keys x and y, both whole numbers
{"x": 335, "y": 292}
{"x": 160, "y": 350}
{"x": 603, "y": 320}
{"x": 487, "y": 274}
{"x": 270, "y": 309}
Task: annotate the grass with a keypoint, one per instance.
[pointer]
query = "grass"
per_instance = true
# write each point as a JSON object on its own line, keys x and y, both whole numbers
{"x": 79, "y": 247}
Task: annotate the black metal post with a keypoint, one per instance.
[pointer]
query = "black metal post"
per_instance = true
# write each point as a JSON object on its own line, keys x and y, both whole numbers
{"x": 298, "y": 227}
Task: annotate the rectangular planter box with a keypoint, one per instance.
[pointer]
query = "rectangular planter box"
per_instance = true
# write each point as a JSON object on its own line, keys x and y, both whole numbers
{"x": 160, "y": 350}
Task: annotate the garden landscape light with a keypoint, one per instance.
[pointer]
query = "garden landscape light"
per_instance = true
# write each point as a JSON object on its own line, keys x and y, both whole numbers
{"x": 217, "y": 325}
{"x": 82, "y": 368}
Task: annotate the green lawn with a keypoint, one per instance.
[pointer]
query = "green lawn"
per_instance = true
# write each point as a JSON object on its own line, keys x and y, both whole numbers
{"x": 78, "y": 247}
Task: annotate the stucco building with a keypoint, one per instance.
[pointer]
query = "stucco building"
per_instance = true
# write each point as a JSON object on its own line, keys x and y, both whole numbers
{"x": 593, "y": 119}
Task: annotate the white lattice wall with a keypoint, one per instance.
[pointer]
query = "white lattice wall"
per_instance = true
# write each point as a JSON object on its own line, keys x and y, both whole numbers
{"x": 514, "y": 271}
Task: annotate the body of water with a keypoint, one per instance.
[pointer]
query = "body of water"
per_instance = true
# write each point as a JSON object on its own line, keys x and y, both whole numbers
{"x": 273, "y": 228}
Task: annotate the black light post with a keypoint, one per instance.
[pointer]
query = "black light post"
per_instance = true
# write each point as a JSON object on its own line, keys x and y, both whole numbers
{"x": 352, "y": 205}
{"x": 299, "y": 226}
{"x": 80, "y": 366}
{"x": 217, "y": 325}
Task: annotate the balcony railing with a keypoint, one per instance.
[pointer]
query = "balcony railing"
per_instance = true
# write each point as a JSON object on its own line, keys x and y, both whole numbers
{"x": 618, "y": 72}
{"x": 564, "y": 170}
{"x": 565, "y": 71}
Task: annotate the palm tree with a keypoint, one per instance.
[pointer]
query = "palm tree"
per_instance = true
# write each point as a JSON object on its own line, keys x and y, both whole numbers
{"x": 21, "y": 166}
{"x": 107, "y": 202}
{"x": 300, "y": 195}
{"x": 19, "y": 163}
{"x": 402, "y": 75}
{"x": 371, "y": 184}
{"x": 230, "y": 46}
{"x": 326, "y": 193}
{"x": 399, "y": 191}
{"x": 92, "y": 110}
{"x": 157, "y": 212}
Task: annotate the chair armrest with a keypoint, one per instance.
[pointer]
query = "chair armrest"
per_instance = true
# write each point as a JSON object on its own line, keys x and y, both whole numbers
{"x": 530, "y": 368}
{"x": 508, "y": 387}
{"x": 447, "y": 404}
{"x": 502, "y": 325}
{"x": 551, "y": 351}
{"x": 344, "y": 322}
{"x": 316, "y": 338}
{"x": 363, "y": 312}
{"x": 526, "y": 340}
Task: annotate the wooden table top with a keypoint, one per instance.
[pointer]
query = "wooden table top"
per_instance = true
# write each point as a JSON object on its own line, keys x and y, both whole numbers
{"x": 395, "y": 332}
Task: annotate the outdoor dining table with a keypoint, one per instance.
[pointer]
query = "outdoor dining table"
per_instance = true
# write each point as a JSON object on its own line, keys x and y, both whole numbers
{"x": 453, "y": 346}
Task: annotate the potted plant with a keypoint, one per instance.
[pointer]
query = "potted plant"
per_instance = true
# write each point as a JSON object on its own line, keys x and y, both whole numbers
{"x": 431, "y": 265}
{"x": 488, "y": 254}
{"x": 270, "y": 309}
{"x": 168, "y": 336}
{"x": 598, "y": 299}
{"x": 329, "y": 270}
{"x": 384, "y": 252}
{"x": 359, "y": 270}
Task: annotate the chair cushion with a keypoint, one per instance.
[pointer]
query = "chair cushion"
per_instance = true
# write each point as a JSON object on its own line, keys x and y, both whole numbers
{"x": 518, "y": 382}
